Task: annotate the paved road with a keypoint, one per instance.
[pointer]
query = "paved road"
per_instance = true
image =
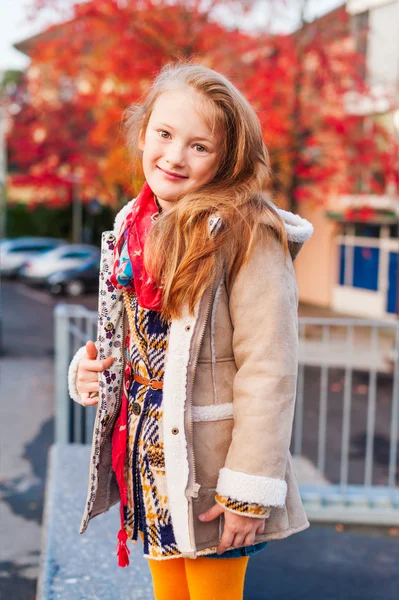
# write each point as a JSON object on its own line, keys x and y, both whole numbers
{"x": 27, "y": 319}
{"x": 26, "y": 430}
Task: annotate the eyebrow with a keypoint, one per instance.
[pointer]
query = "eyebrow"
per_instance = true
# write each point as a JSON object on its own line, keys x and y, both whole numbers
{"x": 199, "y": 138}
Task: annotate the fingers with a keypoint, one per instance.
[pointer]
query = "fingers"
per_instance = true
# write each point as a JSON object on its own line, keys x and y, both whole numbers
{"x": 238, "y": 540}
{"x": 239, "y": 531}
{"x": 211, "y": 514}
{"x": 261, "y": 528}
{"x": 249, "y": 539}
{"x": 87, "y": 375}
{"x": 88, "y": 400}
{"x": 91, "y": 350}
{"x": 96, "y": 365}
{"x": 226, "y": 541}
{"x": 91, "y": 388}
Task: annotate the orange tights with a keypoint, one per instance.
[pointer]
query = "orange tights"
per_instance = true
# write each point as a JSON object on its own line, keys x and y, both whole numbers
{"x": 199, "y": 578}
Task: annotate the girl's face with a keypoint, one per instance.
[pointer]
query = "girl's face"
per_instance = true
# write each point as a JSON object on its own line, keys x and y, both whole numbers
{"x": 180, "y": 151}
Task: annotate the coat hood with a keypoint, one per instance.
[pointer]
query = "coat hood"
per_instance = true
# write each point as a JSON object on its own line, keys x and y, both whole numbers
{"x": 298, "y": 230}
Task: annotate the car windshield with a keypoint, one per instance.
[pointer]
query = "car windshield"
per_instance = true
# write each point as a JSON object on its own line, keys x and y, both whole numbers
{"x": 15, "y": 247}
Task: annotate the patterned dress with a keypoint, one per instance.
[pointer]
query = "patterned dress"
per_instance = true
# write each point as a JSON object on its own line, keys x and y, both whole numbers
{"x": 147, "y": 509}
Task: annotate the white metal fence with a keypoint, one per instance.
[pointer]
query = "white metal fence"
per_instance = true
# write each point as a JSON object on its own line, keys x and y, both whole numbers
{"x": 346, "y": 427}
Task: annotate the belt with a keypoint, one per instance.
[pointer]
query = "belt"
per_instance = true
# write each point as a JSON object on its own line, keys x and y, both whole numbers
{"x": 152, "y": 383}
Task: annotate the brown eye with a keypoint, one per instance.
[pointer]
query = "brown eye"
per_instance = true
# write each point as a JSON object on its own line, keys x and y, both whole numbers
{"x": 200, "y": 149}
{"x": 163, "y": 134}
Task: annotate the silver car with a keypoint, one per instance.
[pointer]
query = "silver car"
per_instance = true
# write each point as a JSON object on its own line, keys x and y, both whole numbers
{"x": 16, "y": 252}
{"x": 66, "y": 257}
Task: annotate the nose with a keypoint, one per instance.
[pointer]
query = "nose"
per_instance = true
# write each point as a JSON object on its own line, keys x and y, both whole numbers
{"x": 175, "y": 155}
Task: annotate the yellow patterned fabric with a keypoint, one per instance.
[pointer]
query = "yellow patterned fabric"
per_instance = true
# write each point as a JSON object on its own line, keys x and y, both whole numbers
{"x": 147, "y": 509}
{"x": 243, "y": 508}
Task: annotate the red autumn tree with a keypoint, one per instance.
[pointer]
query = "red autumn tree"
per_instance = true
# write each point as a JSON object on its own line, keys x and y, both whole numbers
{"x": 86, "y": 71}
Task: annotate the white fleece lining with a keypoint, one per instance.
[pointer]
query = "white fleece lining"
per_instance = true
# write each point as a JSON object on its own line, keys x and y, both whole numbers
{"x": 254, "y": 489}
{"x": 214, "y": 412}
{"x": 72, "y": 373}
{"x": 175, "y": 445}
{"x": 298, "y": 229}
{"x": 174, "y": 398}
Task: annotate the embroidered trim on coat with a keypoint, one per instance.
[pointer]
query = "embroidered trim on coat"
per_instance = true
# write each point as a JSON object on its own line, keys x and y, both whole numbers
{"x": 248, "y": 509}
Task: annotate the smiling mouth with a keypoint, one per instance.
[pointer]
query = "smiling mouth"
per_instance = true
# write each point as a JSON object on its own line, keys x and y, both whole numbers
{"x": 176, "y": 175}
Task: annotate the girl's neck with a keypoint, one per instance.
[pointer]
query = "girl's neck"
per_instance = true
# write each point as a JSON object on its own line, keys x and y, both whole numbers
{"x": 159, "y": 207}
{"x": 162, "y": 204}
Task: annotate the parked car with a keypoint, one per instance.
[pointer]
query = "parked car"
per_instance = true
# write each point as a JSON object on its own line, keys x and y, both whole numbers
{"x": 75, "y": 282}
{"x": 64, "y": 258}
{"x": 16, "y": 252}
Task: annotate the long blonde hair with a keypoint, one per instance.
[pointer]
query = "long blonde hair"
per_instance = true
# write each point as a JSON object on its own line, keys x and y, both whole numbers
{"x": 179, "y": 252}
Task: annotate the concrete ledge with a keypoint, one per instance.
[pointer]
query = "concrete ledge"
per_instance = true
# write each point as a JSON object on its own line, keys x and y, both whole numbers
{"x": 83, "y": 567}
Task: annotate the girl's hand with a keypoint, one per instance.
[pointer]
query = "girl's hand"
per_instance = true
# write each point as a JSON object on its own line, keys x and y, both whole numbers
{"x": 87, "y": 375}
{"x": 238, "y": 530}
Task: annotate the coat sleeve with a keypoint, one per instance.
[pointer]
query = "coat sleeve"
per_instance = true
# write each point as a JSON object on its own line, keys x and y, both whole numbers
{"x": 72, "y": 373}
{"x": 263, "y": 303}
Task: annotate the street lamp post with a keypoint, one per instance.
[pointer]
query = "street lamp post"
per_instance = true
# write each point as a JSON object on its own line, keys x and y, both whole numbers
{"x": 77, "y": 211}
{"x": 3, "y": 171}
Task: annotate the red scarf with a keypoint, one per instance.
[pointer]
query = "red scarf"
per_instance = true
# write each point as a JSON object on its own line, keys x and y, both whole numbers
{"x": 135, "y": 228}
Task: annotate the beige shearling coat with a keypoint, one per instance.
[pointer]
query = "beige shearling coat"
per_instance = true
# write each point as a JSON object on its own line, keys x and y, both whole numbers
{"x": 228, "y": 396}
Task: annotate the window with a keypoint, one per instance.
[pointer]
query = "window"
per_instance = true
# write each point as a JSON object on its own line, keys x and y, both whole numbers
{"x": 18, "y": 250}
{"x": 76, "y": 254}
{"x": 393, "y": 281}
{"x": 367, "y": 230}
{"x": 365, "y": 268}
{"x": 39, "y": 249}
{"x": 33, "y": 248}
{"x": 342, "y": 265}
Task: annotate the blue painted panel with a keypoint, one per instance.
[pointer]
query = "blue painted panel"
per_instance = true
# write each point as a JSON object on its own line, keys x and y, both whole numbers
{"x": 393, "y": 283}
{"x": 342, "y": 264}
{"x": 365, "y": 268}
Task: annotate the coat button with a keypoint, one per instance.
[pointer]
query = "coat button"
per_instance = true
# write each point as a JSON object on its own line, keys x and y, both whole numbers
{"x": 136, "y": 408}
{"x": 109, "y": 326}
{"x": 111, "y": 237}
{"x": 175, "y": 431}
{"x": 187, "y": 327}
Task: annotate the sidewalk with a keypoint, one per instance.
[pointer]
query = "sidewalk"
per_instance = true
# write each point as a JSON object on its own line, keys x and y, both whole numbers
{"x": 26, "y": 433}
{"x": 318, "y": 564}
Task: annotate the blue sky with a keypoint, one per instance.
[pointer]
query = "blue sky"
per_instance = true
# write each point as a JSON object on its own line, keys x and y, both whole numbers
{"x": 14, "y": 25}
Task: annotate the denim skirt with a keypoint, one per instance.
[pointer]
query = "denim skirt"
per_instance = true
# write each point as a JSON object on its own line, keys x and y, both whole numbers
{"x": 238, "y": 552}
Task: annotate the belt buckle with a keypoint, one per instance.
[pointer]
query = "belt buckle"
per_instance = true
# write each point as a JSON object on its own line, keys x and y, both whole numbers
{"x": 151, "y": 384}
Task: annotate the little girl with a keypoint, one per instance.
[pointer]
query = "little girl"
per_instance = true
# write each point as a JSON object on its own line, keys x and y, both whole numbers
{"x": 195, "y": 364}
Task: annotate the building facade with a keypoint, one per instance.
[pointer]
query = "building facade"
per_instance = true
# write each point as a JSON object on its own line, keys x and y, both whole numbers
{"x": 351, "y": 263}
